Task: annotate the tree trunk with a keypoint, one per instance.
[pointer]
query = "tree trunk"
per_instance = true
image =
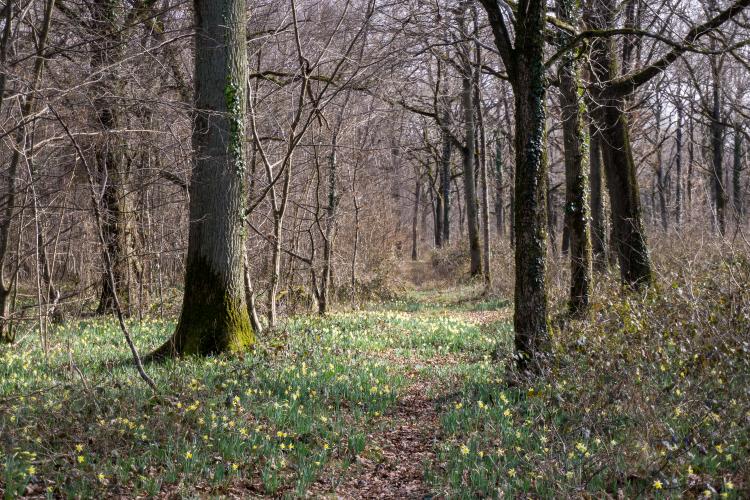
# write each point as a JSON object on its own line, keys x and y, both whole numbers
{"x": 598, "y": 229}
{"x": 627, "y": 226}
{"x": 530, "y": 219}
{"x": 8, "y": 210}
{"x": 661, "y": 182}
{"x": 214, "y": 314}
{"x": 739, "y": 208}
{"x": 415, "y": 220}
{"x": 524, "y": 61}
{"x": 113, "y": 168}
{"x": 325, "y": 281}
{"x": 470, "y": 195}
{"x": 437, "y": 216}
{"x": 252, "y": 311}
{"x": 678, "y": 165}
{"x": 21, "y": 145}
{"x": 482, "y": 158}
{"x": 689, "y": 184}
{"x": 499, "y": 195}
{"x": 629, "y": 235}
{"x": 717, "y": 154}
{"x": 576, "y": 169}
{"x": 444, "y": 208}
{"x": 551, "y": 216}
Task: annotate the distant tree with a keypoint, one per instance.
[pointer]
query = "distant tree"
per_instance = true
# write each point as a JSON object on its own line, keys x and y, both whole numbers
{"x": 469, "y": 147}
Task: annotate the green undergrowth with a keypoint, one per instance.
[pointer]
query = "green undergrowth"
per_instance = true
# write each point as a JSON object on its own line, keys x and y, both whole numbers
{"x": 647, "y": 398}
{"x": 83, "y": 425}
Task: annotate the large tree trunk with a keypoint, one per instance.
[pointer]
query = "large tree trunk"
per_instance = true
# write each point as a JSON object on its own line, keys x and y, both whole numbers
{"x": 576, "y": 169}
{"x": 214, "y": 315}
{"x": 629, "y": 236}
{"x": 598, "y": 229}
{"x": 530, "y": 220}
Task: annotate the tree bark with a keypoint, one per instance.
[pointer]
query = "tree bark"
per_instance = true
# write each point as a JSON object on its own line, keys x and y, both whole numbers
{"x": 576, "y": 141}
{"x": 415, "y": 220}
{"x": 21, "y": 145}
{"x": 118, "y": 209}
{"x": 469, "y": 148}
{"x": 739, "y": 208}
{"x": 444, "y": 208}
{"x": 717, "y": 153}
{"x": 627, "y": 226}
{"x": 214, "y": 314}
{"x": 628, "y": 233}
{"x": 530, "y": 211}
{"x": 598, "y": 229}
{"x": 691, "y": 154}
{"x": 678, "y": 166}
{"x": 470, "y": 195}
{"x": 661, "y": 181}
{"x": 437, "y": 216}
{"x": 482, "y": 158}
{"x": 499, "y": 195}
{"x": 325, "y": 282}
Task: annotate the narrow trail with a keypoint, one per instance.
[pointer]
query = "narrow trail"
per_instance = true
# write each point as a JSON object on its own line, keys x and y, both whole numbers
{"x": 402, "y": 447}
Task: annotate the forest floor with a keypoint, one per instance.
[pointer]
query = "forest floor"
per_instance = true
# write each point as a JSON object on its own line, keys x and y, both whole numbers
{"x": 408, "y": 398}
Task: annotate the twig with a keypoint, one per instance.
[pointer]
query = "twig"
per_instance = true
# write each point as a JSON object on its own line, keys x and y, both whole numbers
{"x": 107, "y": 258}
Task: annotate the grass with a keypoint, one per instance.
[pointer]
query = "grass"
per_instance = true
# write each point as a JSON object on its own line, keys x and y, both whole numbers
{"x": 647, "y": 398}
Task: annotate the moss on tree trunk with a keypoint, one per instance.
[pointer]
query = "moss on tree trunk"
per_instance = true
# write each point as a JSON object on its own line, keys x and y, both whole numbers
{"x": 213, "y": 319}
{"x": 576, "y": 142}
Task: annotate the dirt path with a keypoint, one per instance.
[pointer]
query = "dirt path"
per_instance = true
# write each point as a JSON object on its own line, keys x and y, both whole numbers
{"x": 404, "y": 448}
